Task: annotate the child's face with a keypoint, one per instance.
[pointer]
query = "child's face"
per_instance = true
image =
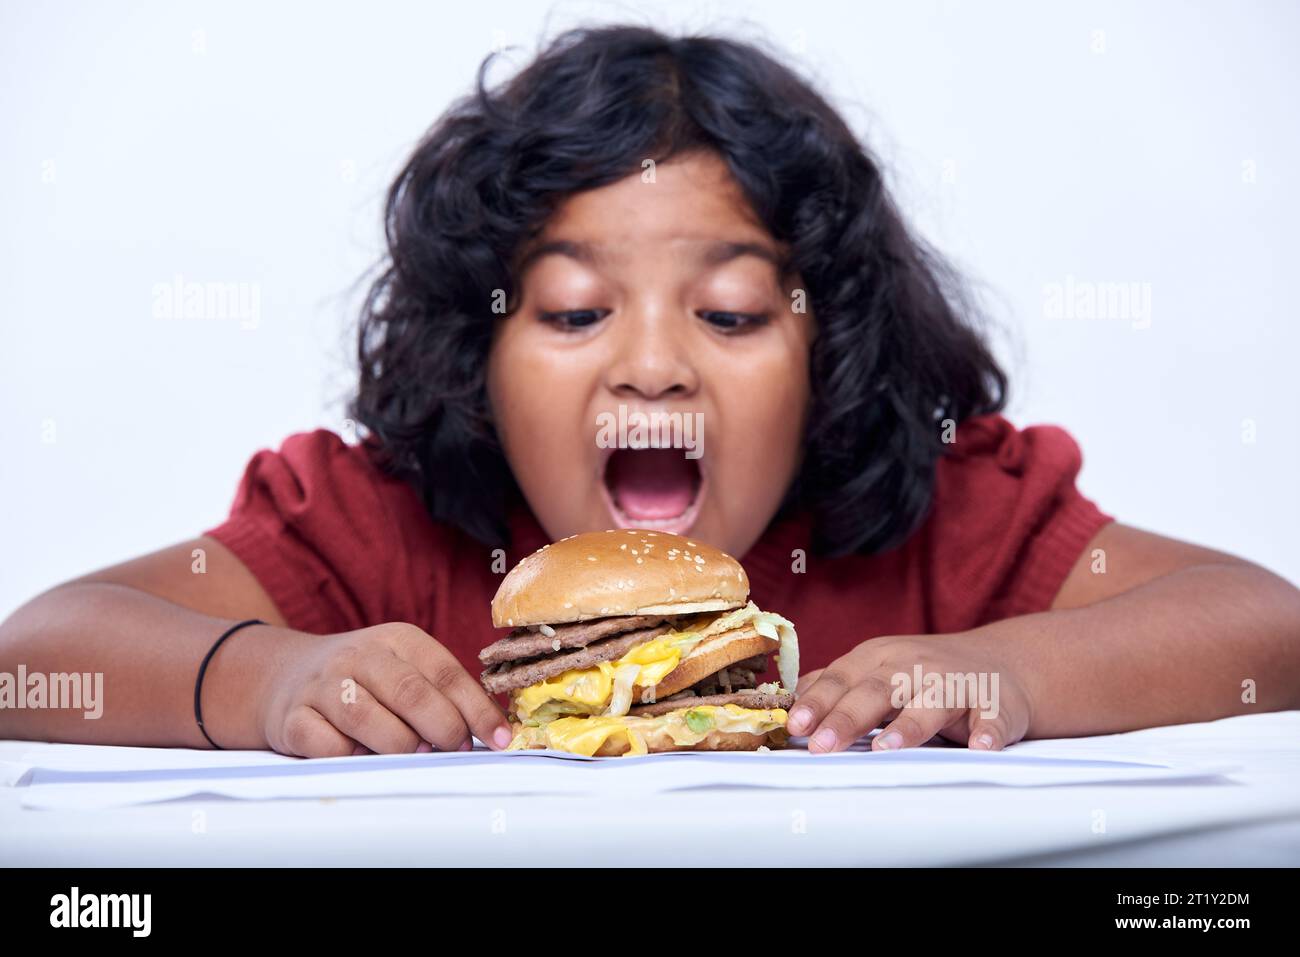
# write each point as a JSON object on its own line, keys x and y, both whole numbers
{"x": 655, "y": 319}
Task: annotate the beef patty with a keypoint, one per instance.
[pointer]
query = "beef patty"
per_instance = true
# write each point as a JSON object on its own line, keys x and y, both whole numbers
{"x": 758, "y": 700}
{"x": 511, "y": 676}
{"x": 524, "y": 643}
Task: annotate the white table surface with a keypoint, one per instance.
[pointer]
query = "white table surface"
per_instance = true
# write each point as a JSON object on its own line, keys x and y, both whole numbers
{"x": 1250, "y": 816}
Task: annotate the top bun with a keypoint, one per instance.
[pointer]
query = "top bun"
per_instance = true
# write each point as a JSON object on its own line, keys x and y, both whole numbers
{"x": 618, "y": 572}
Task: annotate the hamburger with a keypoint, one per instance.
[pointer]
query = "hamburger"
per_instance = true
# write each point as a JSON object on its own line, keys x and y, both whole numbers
{"x": 631, "y": 642}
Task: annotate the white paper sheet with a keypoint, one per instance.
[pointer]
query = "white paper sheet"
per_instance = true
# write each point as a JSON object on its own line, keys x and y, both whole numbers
{"x": 81, "y": 778}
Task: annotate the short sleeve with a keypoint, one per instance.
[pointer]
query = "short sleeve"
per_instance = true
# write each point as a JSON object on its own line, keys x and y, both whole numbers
{"x": 1007, "y": 523}
{"x": 319, "y": 526}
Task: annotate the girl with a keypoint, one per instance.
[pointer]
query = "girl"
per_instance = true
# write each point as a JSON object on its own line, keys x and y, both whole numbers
{"x": 667, "y": 225}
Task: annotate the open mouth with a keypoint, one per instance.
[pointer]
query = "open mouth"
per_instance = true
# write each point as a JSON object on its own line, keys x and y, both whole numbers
{"x": 653, "y": 488}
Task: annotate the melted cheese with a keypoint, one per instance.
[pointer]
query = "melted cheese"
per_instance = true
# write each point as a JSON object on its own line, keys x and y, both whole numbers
{"x": 588, "y": 690}
{"x": 585, "y": 735}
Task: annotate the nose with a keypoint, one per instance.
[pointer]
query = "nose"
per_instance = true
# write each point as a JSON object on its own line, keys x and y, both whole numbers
{"x": 651, "y": 359}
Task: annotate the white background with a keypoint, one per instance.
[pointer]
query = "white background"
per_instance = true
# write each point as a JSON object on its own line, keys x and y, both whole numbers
{"x": 1152, "y": 143}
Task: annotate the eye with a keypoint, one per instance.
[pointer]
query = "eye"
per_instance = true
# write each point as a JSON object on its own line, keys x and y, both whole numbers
{"x": 733, "y": 321}
{"x": 574, "y": 318}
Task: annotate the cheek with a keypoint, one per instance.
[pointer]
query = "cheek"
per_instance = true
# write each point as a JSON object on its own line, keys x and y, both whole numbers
{"x": 772, "y": 415}
{"x": 765, "y": 412}
{"x": 535, "y": 401}
{"x": 502, "y": 376}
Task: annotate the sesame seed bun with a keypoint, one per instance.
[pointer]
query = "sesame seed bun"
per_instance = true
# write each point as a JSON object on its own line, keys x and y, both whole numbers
{"x": 618, "y": 572}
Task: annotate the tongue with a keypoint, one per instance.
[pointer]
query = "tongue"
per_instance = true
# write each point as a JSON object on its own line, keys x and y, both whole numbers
{"x": 651, "y": 483}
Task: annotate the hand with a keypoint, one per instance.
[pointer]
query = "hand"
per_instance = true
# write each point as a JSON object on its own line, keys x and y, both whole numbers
{"x": 388, "y": 689}
{"x": 874, "y": 684}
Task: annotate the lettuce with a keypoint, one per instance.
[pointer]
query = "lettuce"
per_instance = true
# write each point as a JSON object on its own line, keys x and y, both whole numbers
{"x": 621, "y": 699}
{"x": 699, "y": 721}
{"x": 771, "y": 625}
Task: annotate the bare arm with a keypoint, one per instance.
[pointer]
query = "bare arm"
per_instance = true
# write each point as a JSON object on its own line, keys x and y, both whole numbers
{"x": 146, "y": 625}
{"x": 1169, "y": 633}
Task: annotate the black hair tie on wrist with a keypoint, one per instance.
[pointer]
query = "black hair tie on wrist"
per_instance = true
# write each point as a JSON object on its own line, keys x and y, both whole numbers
{"x": 198, "y": 684}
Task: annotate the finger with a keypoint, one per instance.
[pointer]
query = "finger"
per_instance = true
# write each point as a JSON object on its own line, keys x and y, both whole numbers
{"x": 366, "y": 721}
{"x": 989, "y": 734}
{"x": 817, "y": 699}
{"x": 812, "y": 706}
{"x": 914, "y": 725}
{"x": 807, "y": 681}
{"x": 482, "y": 715}
{"x": 308, "y": 735}
{"x": 406, "y": 692}
{"x": 859, "y": 710}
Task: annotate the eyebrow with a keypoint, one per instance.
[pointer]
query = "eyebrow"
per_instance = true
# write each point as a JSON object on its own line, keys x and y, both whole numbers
{"x": 722, "y": 252}
{"x": 714, "y": 254}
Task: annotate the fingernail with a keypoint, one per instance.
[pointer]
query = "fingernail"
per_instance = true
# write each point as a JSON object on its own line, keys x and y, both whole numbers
{"x": 983, "y": 740}
{"x": 424, "y": 747}
{"x": 889, "y": 741}
{"x": 466, "y": 745}
{"x": 824, "y": 739}
{"x": 798, "y": 719}
{"x": 502, "y": 737}
{"x": 360, "y": 749}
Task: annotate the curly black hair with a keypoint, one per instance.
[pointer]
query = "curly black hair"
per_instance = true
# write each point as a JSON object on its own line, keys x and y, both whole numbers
{"x": 894, "y": 353}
